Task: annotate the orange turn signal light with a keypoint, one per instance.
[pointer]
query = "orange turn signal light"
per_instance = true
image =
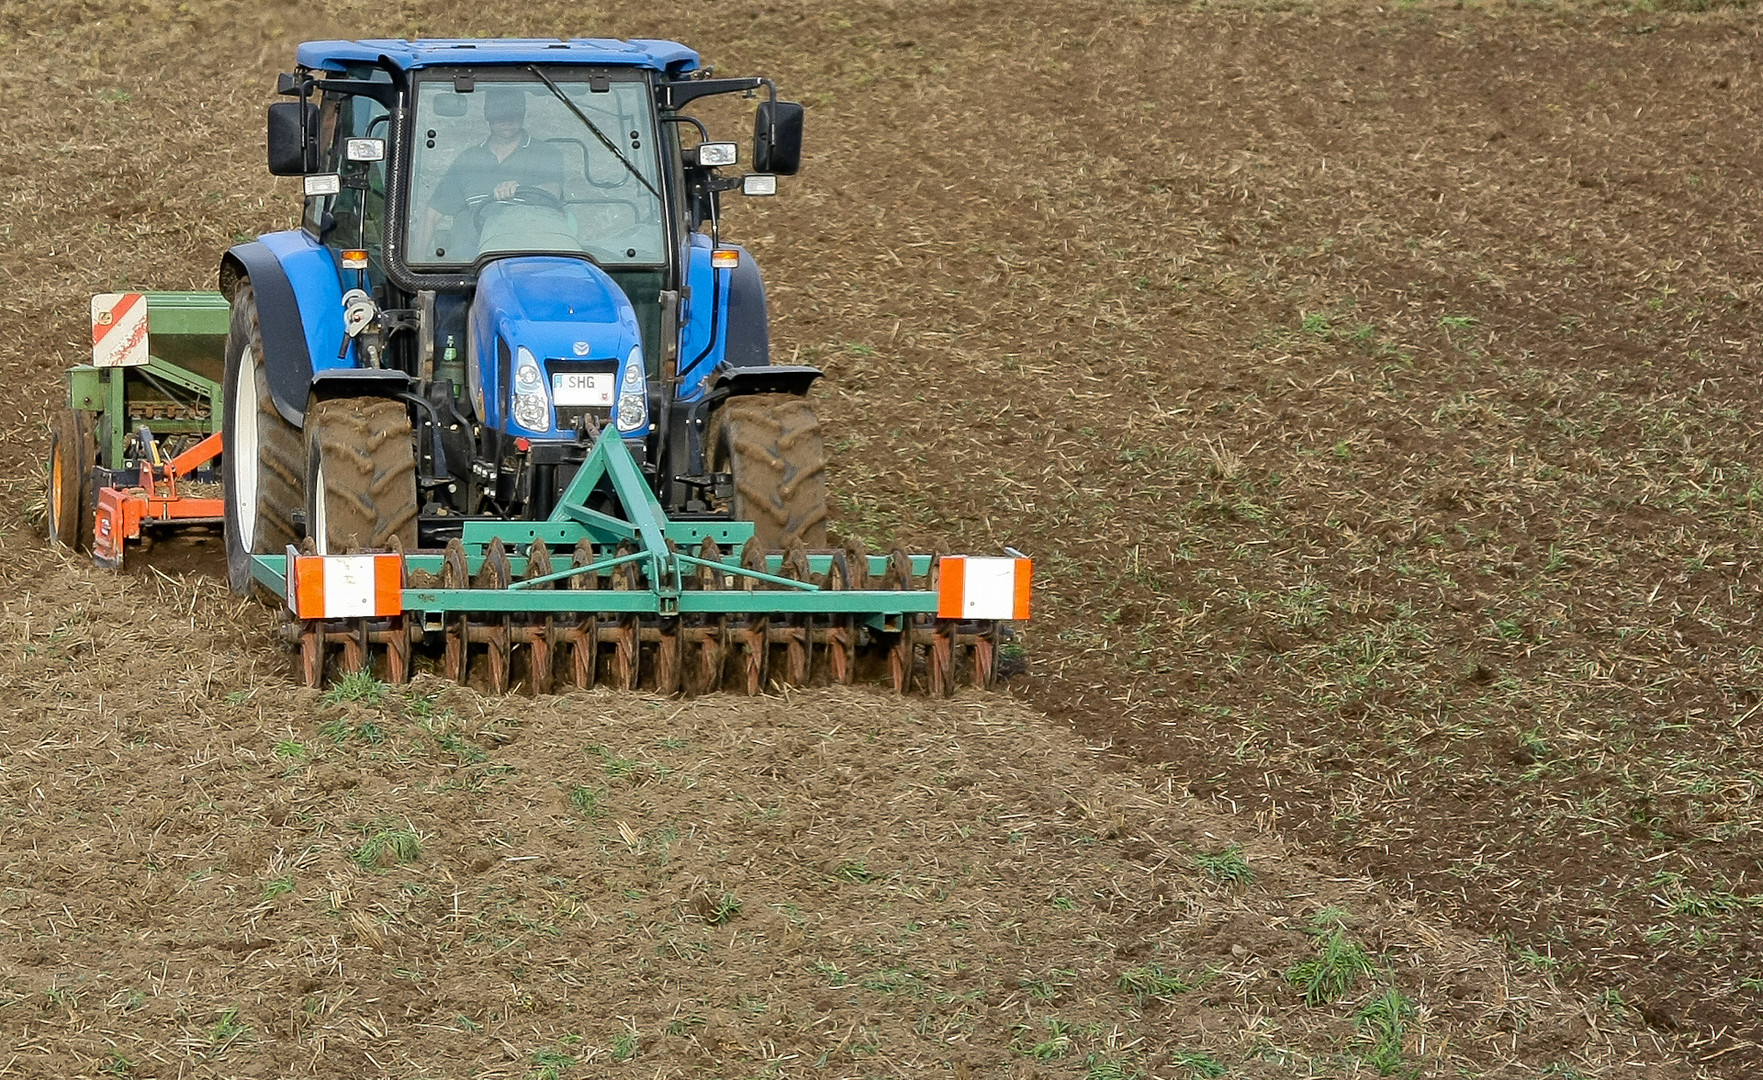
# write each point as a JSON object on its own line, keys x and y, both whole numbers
{"x": 355, "y": 260}
{"x": 725, "y": 258}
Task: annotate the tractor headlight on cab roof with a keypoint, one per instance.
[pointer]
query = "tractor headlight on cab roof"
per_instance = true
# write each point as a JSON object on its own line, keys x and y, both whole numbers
{"x": 532, "y": 405}
{"x": 718, "y": 153}
{"x": 633, "y": 393}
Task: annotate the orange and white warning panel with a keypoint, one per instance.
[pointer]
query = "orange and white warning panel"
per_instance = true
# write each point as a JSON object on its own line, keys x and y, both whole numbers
{"x": 345, "y": 586}
{"x": 119, "y": 330}
{"x": 972, "y": 587}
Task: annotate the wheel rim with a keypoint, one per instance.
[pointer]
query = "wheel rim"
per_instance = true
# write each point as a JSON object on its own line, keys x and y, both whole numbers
{"x": 242, "y": 454}
{"x": 319, "y": 528}
{"x": 55, "y": 483}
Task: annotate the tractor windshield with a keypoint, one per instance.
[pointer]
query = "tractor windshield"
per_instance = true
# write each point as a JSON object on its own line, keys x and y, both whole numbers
{"x": 524, "y": 164}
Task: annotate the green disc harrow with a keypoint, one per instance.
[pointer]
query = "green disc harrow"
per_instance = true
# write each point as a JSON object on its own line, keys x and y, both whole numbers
{"x": 625, "y": 597}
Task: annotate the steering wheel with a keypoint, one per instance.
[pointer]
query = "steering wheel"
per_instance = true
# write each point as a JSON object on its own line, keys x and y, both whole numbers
{"x": 524, "y": 195}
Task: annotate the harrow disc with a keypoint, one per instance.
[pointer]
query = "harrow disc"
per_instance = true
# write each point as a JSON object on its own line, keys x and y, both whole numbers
{"x": 840, "y": 642}
{"x": 797, "y": 632}
{"x": 456, "y": 635}
{"x": 626, "y": 629}
{"x": 312, "y": 654}
{"x": 902, "y": 647}
{"x": 705, "y": 642}
{"x": 497, "y": 573}
{"x": 753, "y": 634}
{"x": 984, "y": 666}
{"x": 584, "y": 637}
{"x": 397, "y": 638}
{"x": 542, "y": 629}
{"x": 355, "y": 645}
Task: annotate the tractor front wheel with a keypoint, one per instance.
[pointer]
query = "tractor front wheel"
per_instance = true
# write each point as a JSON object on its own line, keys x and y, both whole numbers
{"x": 72, "y": 452}
{"x": 770, "y": 444}
{"x": 262, "y": 466}
{"x": 360, "y": 475}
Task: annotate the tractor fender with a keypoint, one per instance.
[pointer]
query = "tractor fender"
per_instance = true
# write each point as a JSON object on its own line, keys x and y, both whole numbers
{"x": 725, "y": 318}
{"x": 730, "y": 380}
{"x": 358, "y": 382}
{"x": 748, "y": 341}
{"x": 300, "y": 310}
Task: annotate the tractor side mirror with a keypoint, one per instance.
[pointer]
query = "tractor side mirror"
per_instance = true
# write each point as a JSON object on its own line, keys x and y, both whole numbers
{"x": 777, "y": 138}
{"x": 291, "y": 153}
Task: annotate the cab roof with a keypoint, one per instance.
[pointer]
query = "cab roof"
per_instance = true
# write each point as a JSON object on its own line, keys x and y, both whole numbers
{"x": 668, "y": 57}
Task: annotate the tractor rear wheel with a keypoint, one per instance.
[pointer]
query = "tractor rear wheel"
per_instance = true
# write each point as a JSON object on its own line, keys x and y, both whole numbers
{"x": 360, "y": 475}
{"x": 770, "y": 444}
{"x": 72, "y": 452}
{"x": 262, "y": 465}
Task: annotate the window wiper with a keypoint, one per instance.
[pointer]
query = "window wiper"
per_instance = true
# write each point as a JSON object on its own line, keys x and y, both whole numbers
{"x": 557, "y": 91}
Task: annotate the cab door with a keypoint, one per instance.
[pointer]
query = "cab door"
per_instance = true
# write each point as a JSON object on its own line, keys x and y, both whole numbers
{"x": 353, "y": 145}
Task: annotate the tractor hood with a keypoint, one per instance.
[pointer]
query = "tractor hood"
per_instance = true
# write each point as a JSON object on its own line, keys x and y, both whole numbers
{"x": 565, "y": 314}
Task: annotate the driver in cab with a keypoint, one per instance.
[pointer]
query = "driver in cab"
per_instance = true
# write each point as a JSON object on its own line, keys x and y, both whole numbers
{"x": 509, "y": 169}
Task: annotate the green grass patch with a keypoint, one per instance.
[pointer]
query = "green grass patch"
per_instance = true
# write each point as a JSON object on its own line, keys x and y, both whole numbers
{"x": 358, "y": 685}
{"x": 388, "y": 847}
{"x": 1227, "y": 865}
{"x": 1333, "y": 972}
{"x": 1151, "y": 981}
{"x": 1383, "y": 1022}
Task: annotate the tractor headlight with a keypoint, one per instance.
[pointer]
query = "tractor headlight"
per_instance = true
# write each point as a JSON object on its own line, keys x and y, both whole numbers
{"x": 633, "y": 393}
{"x": 532, "y": 405}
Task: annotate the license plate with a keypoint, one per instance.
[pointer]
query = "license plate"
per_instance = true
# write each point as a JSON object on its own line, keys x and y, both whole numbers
{"x": 582, "y": 387}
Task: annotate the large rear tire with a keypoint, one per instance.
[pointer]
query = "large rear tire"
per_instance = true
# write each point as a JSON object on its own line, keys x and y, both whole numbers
{"x": 771, "y": 445}
{"x": 72, "y": 452}
{"x": 360, "y": 475}
{"x": 262, "y": 466}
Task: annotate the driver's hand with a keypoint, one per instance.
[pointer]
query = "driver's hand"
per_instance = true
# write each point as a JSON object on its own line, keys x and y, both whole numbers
{"x": 505, "y": 190}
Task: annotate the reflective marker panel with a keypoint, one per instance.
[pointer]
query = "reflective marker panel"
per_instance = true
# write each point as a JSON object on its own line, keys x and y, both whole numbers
{"x": 119, "y": 330}
{"x": 346, "y": 586}
{"x": 969, "y": 587}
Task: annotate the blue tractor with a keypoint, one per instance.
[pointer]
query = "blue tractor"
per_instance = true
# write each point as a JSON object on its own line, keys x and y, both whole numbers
{"x": 506, "y": 398}
{"x": 509, "y": 251}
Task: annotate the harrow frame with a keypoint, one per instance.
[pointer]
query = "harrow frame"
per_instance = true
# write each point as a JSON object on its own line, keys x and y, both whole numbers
{"x": 667, "y": 584}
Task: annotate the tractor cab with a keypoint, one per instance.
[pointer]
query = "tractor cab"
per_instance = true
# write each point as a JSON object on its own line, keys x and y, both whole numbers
{"x": 524, "y": 237}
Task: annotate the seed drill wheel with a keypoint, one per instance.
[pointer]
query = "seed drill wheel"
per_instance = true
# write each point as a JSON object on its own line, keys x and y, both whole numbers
{"x": 264, "y": 467}
{"x": 497, "y": 573}
{"x": 902, "y": 650}
{"x": 541, "y": 658}
{"x": 585, "y": 638}
{"x": 770, "y": 445}
{"x": 73, "y": 450}
{"x": 456, "y": 634}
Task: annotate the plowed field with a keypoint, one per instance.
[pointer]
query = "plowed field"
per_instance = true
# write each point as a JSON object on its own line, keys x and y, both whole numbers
{"x": 1375, "y": 388}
